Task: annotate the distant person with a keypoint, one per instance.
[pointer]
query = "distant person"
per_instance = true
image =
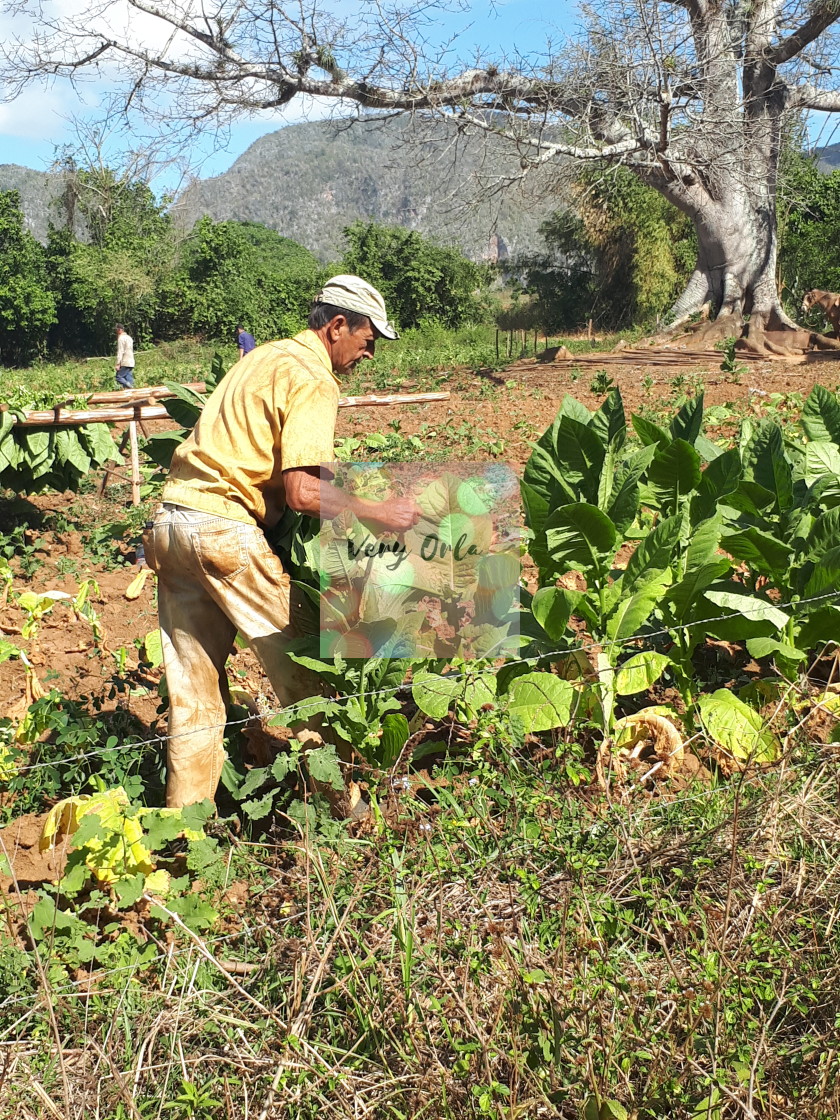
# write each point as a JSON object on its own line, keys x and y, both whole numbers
{"x": 246, "y": 341}
{"x": 124, "y": 368}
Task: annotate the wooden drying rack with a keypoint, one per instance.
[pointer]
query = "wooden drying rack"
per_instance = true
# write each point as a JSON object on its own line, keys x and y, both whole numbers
{"x": 136, "y": 405}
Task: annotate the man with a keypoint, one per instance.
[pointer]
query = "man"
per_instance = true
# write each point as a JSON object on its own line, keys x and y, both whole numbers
{"x": 256, "y": 449}
{"x": 124, "y": 369}
{"x": 246, "y": 341}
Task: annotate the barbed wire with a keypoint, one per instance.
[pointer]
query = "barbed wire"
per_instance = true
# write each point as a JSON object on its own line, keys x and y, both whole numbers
{"x": 315, "y": 704}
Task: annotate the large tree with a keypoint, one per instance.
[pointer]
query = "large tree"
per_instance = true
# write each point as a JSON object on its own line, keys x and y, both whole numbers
{"x": 691, "y": 95}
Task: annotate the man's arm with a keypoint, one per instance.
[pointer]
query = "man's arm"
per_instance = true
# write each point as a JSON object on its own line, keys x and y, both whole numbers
{"x": 306, "y": 493}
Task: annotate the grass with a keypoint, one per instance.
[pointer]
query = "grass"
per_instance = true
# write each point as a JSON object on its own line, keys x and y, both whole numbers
{"x": 423, "y": 358}
{"x": 171, "y": 361}
{"x": 503, "y": 941}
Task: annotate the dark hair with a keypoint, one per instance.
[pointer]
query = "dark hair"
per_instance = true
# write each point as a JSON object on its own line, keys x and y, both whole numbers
{"x": 239, "y": 327}
{"x": 119, "y": 327}
{"x": 323, "y": 313}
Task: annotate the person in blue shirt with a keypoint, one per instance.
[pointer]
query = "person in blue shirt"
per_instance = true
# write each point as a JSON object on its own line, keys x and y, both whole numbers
{"x": 245, "y": 340}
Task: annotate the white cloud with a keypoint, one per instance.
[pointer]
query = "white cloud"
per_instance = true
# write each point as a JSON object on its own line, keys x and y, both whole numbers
{"x": 40, "y": 114}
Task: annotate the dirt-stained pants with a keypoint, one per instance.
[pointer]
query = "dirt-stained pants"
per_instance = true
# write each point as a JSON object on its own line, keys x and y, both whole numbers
{"x": 217, "y": 576}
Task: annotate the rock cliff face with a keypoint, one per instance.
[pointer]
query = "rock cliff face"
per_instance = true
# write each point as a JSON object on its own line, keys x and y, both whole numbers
{"x": 40, "y": 195}
{"x": 309, "y": 181}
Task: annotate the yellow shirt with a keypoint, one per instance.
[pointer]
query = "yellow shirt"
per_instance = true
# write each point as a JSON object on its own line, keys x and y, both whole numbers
{"x": 274, "y": 410}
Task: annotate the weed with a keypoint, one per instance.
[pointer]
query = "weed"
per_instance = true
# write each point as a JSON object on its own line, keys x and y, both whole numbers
{"x": 601, "y": 383}
{"x": 730, "y": 366}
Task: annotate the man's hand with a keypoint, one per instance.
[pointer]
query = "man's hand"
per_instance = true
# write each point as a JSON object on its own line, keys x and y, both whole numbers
{"x": 396, "y": 514}
{"x": 305, "y": 493}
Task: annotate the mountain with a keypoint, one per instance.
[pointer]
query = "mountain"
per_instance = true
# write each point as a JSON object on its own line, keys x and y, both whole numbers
{"x": 828, "y": 158}
{"x": 309, "y": 181}
{"x": 40, "y": 195}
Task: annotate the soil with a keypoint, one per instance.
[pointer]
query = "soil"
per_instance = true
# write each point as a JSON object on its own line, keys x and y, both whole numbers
{"x": 519, "y": 412}
{"x": 19, "y": 845}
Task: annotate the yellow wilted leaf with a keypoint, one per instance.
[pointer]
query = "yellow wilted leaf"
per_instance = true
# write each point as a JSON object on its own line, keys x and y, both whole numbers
{"x": 117, "y": 853}
{"x": 135, "y": 588}
{"x": 158, "y": 882}
{"x": 188, "y": 833}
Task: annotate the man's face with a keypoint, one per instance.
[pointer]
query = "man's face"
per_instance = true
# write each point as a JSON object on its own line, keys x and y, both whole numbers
{"x": 348, "y": 348}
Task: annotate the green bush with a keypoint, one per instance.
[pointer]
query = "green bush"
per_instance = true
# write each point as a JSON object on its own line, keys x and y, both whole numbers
{"x": 114, "y": 274}
{"x": 620, "y": 255}
{"x": 238, "y": 272}
{"x": 809, "y": 231}
{"x": 420, "y": 281}
{"x": 27, "y": 308}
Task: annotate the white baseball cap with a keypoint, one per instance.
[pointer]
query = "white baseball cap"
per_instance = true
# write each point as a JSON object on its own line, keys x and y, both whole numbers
{"x": 352, "y": 293}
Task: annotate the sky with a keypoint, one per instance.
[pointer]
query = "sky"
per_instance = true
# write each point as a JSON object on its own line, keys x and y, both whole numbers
{"x": 40, "y": 120}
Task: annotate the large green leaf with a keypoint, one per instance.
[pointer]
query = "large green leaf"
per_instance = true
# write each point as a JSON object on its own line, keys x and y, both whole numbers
{"x": 161, "y": 446}
{"x": 745, "y": 603}
{"x": 37, "y": 447}
{"x": 434, "y": 694}
{"x": 574, "y": 408}
{"x": 824, "y": 534}
{"x": 543, "y": 475}
{"x": 765, "y": 647}
{"x": 639, "y": 672}
{"x": 650, "y": 434}
{"x": 750, "y": 498}
{"x": 721, "y": 477}
{"x": 634, "y": 610}
{"x": 394, "y": 738}
{"x": 821, "y": 415}
{"x": 552, "y": 607}
{"x": 763, "y": 456}
{"x": 821, "y": 457}
{"x": 687, "y": 423}
{"x": 653, "y": 554}
{"x": 8, "y": 447}
{"x": 688, "y": 592}
{"x": 580, "y": 455}
{"x": 186, "y": 406}
{"x": 825, "y": 574}
{"x": 609, "y": 422}
{"x": 99, "y": 444}
{"x": 69, "y": 449}
{"x": 622, "y": 506}
{"x": 541, "y": 700}
{"x": 704, "y": 543}
{"x": 674, "y": 473}
{"x": 737, "y": 728}
{"x": 580, "y": 536}
{"x": 762, "y": 552}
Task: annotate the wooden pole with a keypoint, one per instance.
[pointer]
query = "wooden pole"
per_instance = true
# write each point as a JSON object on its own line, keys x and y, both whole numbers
{"x": 67, "y": 418}
{"x": 135, "y": 462}
{"x": 103, "y": 485}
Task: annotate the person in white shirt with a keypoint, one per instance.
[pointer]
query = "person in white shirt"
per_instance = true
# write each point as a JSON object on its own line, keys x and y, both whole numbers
{"x": 124, "y": 368}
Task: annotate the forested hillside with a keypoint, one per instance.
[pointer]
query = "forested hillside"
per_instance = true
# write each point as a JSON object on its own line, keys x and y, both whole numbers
{"x": 308, "y": 181}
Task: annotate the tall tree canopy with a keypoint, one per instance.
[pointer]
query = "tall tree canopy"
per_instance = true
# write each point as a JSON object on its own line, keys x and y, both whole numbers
{"x": 690, "y": 95}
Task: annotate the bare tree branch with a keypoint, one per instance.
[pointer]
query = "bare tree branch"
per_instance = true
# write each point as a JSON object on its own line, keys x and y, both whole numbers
{"x": 827, "y": 12}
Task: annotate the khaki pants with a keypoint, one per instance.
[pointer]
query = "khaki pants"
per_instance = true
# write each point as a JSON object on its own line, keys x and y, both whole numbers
{"x": 217, "y": 576}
